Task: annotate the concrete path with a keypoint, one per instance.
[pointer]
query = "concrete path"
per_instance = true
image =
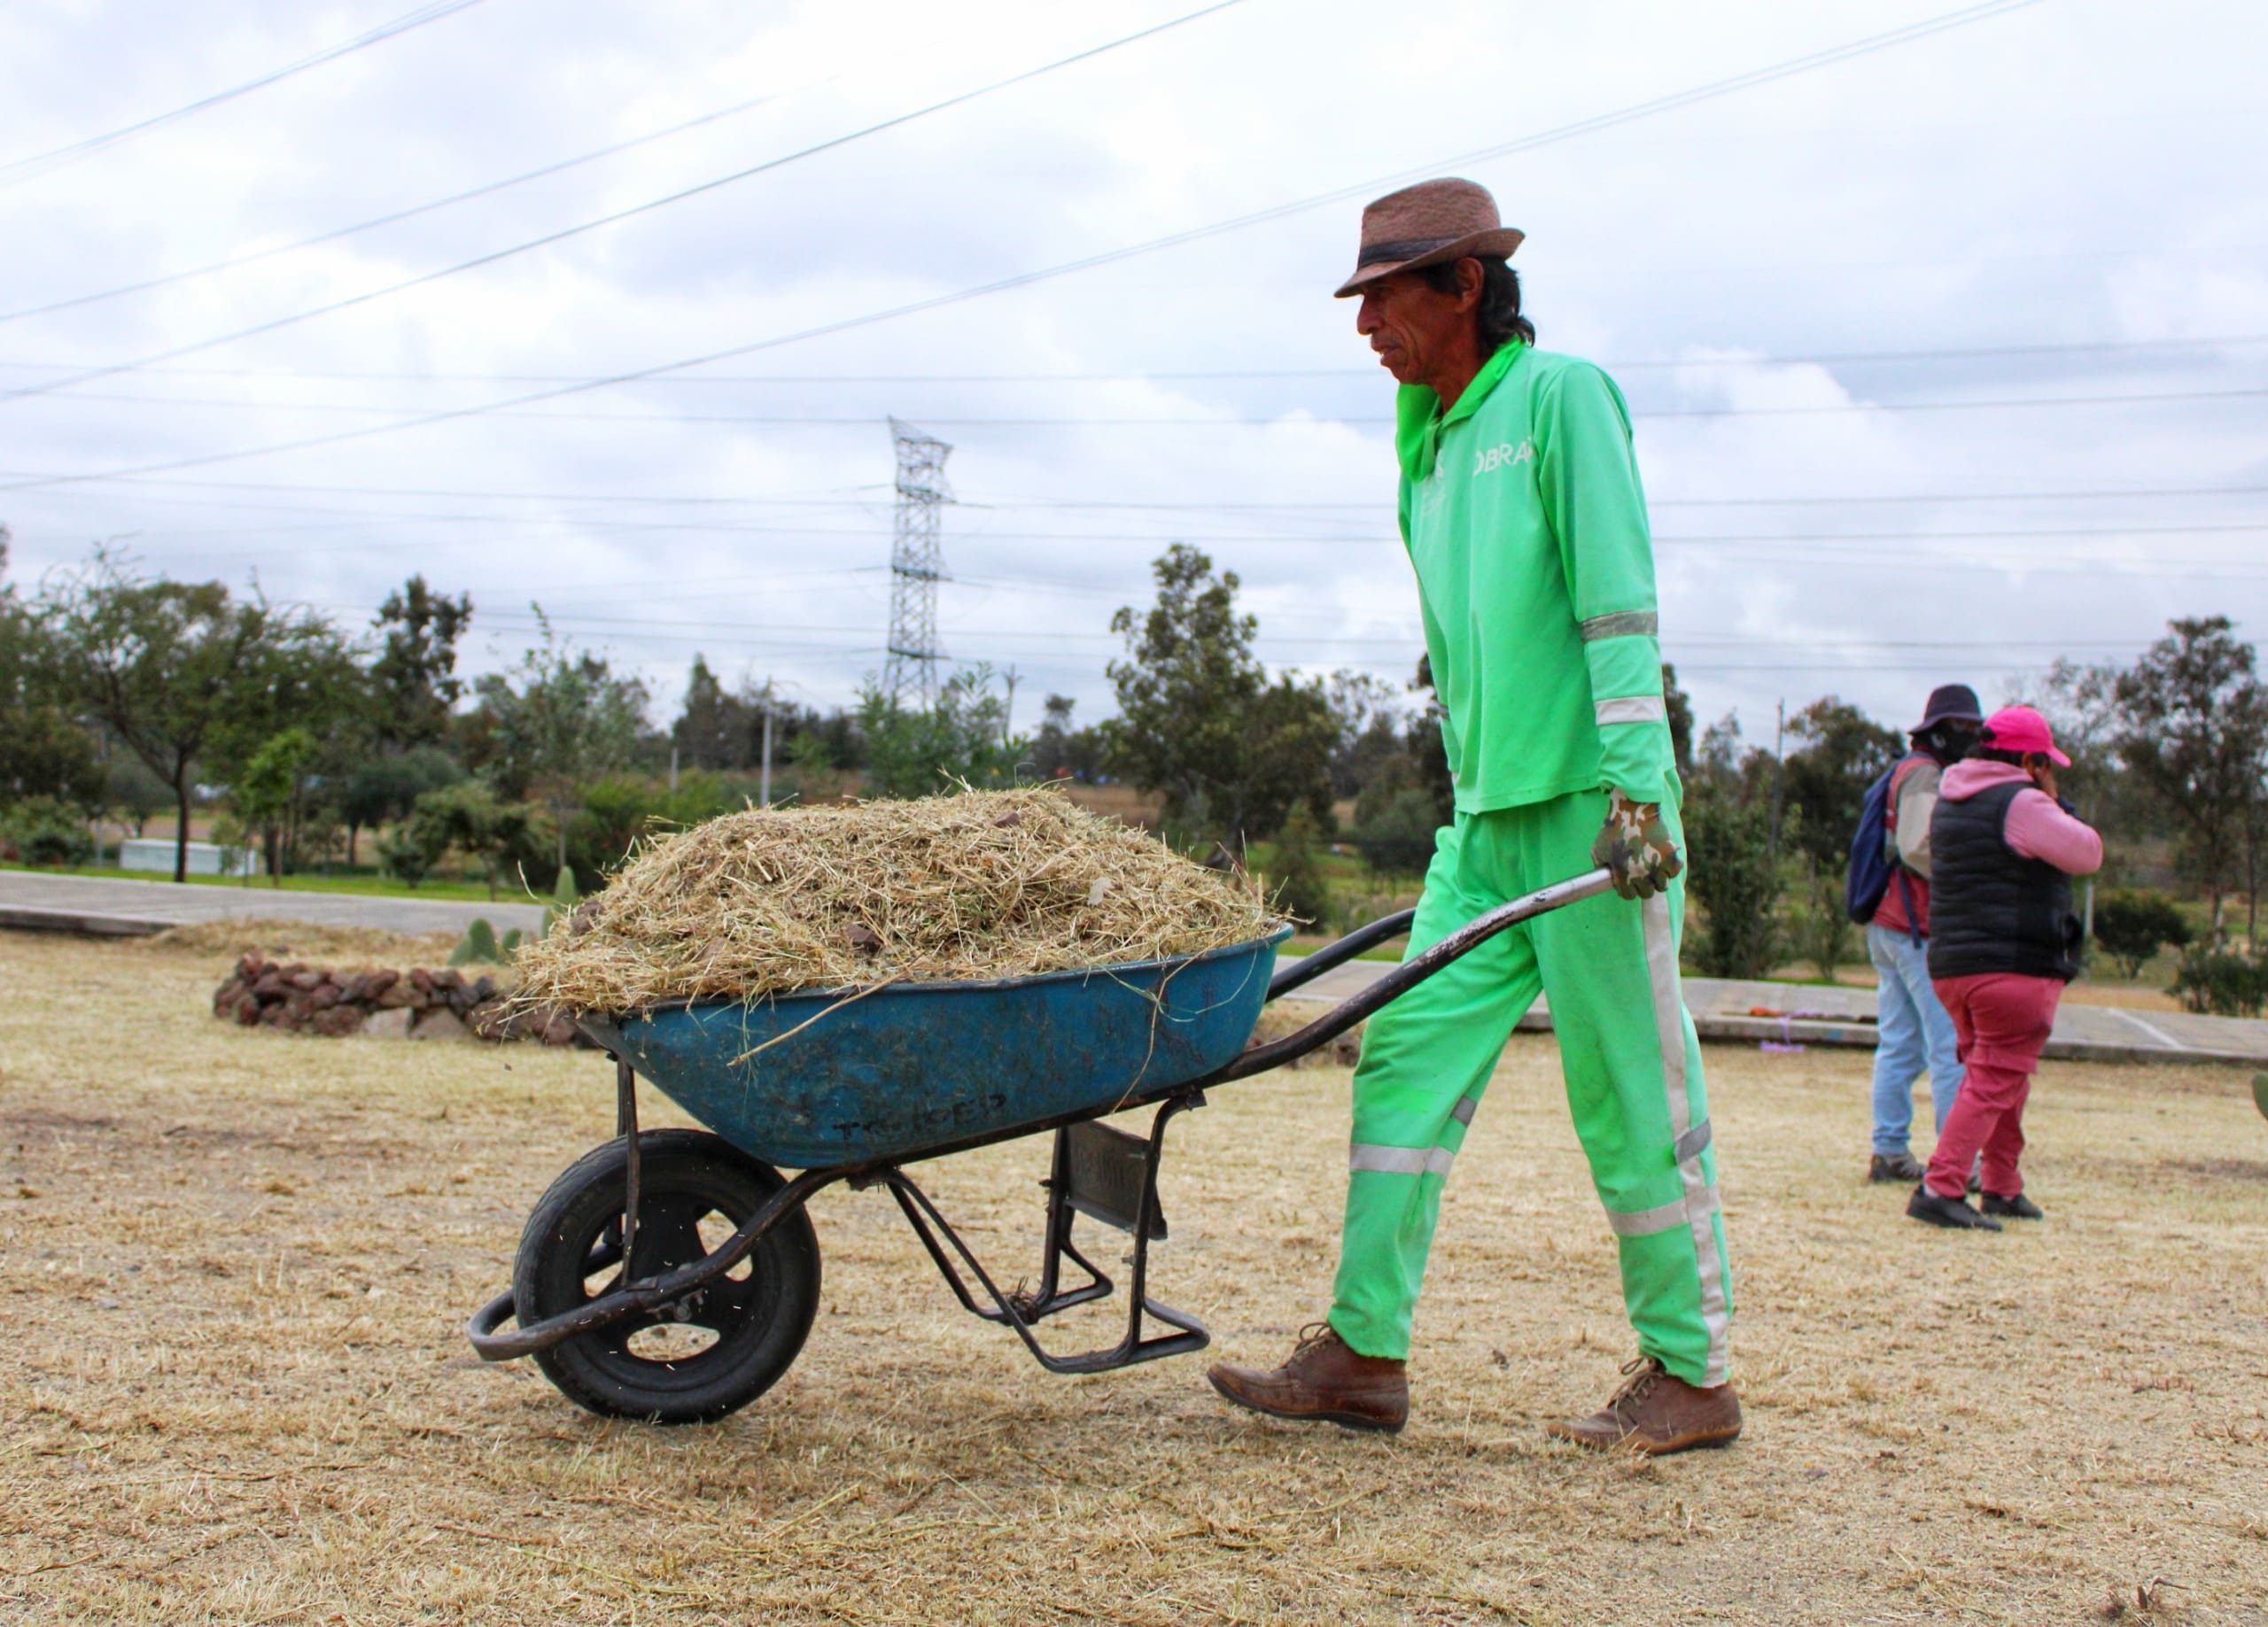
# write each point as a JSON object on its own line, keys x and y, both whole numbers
{"x": 103, "y": 905}
{"x": 1810, "y": 1015}
{"x": 1804, "y": 1014}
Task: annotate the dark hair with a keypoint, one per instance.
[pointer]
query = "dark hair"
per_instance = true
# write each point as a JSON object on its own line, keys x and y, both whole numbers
{"x": 1499, "y": 316}
{"x": 1983, "y": 753}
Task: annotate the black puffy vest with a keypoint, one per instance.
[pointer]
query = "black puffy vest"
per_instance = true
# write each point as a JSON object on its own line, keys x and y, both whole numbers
{"x": 1991, "y": 909}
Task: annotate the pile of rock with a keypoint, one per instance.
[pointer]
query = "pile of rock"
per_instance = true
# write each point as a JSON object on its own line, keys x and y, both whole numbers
{"x": 419, "y": 1004}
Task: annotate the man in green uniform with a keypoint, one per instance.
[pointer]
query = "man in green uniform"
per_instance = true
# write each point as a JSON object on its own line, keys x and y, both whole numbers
{"x": 1523, "y": 515}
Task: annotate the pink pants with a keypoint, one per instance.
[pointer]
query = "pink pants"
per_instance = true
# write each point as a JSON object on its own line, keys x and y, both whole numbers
{"x": 2002, "y": 1020}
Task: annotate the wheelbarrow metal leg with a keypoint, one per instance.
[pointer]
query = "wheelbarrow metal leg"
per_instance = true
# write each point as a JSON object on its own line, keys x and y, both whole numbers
{"x": 625, "y": 1125}
{"x": 1020, "y": 1311}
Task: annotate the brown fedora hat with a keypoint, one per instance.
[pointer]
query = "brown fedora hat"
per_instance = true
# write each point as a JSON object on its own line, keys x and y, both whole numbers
{"x": 1428, "y": 224}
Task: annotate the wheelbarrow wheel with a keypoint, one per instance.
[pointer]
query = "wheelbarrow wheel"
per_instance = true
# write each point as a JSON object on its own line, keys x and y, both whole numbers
{"x": 705, "y": 1355}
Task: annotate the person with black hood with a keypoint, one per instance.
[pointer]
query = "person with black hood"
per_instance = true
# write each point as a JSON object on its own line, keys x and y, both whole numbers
{"x": 1914, "y": 1032}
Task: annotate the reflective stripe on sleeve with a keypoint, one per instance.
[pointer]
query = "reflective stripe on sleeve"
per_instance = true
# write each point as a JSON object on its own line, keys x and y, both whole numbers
{"x": 1689, "y": 1144}
{"x": 1632, "y": 709}
{"x": 1399, "y": 1160}
{"x": 1621, "y": 625}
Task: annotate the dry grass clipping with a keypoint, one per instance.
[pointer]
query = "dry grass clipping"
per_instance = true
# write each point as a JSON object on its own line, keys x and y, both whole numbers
{"x": 288, "y": 941}
{"x": 984, "y": 884}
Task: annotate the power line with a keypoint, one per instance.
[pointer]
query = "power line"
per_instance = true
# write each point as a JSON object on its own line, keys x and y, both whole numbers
{"x": 1010, "y": 504}
{"x": 56, "y": 157}
{"x": 1194, "y": 421}
{"x": 1644, "y": 109}
{"x": 1165, "y": 376}
{"x": 487, "y": 189}
{"x": 619, "y": 215}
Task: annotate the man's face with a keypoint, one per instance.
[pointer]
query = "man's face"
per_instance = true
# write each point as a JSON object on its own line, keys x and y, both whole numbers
{"x": 1417, "y": 331}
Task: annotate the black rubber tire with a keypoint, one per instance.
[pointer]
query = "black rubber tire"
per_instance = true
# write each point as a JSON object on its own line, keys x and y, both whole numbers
{"x": 760, "y": 1320}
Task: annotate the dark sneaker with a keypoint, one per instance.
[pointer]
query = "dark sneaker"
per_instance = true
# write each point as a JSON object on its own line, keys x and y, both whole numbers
{"x": 1949, "y": 1212}
{"x": 1894, "y": 1166}
{"x": 1322, "y": 1382}
{"x": 2016, "y": 1208}
{"x": 1655, "y": 1414}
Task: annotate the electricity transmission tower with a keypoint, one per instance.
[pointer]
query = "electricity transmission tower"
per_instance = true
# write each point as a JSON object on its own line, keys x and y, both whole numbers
{"x": 917, "y": 565}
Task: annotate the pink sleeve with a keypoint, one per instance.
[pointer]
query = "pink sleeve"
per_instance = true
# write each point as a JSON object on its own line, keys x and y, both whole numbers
{"x": 2039, "y": 829}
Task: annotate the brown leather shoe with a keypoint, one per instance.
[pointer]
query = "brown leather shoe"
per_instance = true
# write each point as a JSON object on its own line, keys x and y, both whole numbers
{"x": 1322, "y": 1382}
{"x": 1655, "y": 1414}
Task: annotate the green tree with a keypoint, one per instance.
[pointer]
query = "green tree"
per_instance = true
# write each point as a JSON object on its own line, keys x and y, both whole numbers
{"x": 558, "y": 720}
{"x": 920, "y": 753}
{"x": 385, "y": 788}
{"x": 715, "y": 729}
{"x": 269, "y": 792}
{"x": 413, "y": 682}
{"x": 2195, "y": 729}
{"x": 1059, "y": 751}
{"x": 1198, "y": 720}
{"x": 182, "y": 671}
{"x": 1295, "y": 885}
{"x": 2133, "y": 925}
{"x": 44, "y": 751}
{"x": 1734, "y": 876}
{"x": 1678, "y": 705}
{"x": 1839, "y": 753}
{"x": 469, "y": 817}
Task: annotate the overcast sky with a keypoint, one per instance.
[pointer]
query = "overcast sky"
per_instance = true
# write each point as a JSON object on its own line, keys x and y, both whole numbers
{"x": 1949, "y": 357}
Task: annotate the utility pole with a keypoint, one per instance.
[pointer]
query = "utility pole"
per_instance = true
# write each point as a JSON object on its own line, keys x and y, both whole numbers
{"x": 763, "y": 784}
{"x": 1008, "y": 717}
{"x": 917, "y": 564}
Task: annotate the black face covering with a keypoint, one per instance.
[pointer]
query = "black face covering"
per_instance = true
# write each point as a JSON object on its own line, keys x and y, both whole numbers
{"x": 1948, "y": 742}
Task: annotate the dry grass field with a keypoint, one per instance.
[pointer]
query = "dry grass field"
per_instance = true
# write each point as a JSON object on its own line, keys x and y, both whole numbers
{"x": 234, "y": 1266}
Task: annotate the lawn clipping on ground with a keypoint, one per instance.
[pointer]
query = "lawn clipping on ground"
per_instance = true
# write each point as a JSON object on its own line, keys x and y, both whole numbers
{"x": 235, "y": 1265}
{"x": 977, "y": 885}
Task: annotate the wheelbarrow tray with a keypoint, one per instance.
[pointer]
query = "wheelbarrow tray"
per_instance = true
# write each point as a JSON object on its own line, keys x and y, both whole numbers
{"x": 837, "y": 1077}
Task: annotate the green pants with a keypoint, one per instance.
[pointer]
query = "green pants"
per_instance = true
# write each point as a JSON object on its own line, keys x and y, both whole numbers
{"x": 1609, "y": 968}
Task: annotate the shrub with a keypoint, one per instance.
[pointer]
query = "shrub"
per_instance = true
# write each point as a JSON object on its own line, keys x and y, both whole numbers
{"x": 1731, "y": 873}
{"x": 2133, "y": 925}
{"x": 402, "y": 857}
{"x": 1395, "y": 832}
{"x": 1819, "y": 927}
{"x": 46, "y": 830}
{"x": 2217, "y": 983}
{"x": 1297, "y": 886}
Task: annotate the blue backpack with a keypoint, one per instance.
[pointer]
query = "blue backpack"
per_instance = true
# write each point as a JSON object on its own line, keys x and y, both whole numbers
{"x": 1871, "y": 868}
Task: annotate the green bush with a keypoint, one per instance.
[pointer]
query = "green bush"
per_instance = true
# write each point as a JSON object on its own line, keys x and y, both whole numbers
{"x": 1731, "y": 873}
{"x": 2217, "y": 983}
{"x": 403, "y": 857}
{"x": 1395, "y": 832}
{"x": 1296, "y": 886}
{"x": 46, "y": 830}
{"x": 2133, "y": 925}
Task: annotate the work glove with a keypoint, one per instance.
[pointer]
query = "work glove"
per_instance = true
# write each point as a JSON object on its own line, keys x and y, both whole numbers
{"x": 1636, "y": 846}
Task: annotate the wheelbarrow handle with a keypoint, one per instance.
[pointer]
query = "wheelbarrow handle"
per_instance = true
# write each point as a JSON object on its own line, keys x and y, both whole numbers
{"x": 1415, "y": 971}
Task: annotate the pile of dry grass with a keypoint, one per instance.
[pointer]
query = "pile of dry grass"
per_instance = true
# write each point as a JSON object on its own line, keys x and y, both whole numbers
{"x": 944, "y": 889}
{"x": 277, "y": 939}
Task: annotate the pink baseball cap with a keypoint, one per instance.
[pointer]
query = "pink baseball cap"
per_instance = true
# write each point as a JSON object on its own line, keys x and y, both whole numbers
{"x": 2019, "y": 728}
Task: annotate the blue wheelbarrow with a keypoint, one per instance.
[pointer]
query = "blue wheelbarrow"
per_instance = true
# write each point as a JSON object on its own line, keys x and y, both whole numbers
{"x": 672, "y": 1274}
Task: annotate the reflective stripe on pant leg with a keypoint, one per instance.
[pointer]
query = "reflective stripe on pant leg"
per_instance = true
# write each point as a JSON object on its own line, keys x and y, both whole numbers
{"x": 1399, "y": 1160}
{"x": 1700, "y": 1196}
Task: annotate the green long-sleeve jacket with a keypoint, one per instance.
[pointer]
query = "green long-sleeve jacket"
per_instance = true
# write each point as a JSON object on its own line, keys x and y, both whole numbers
{"x": 1524, "y": 518}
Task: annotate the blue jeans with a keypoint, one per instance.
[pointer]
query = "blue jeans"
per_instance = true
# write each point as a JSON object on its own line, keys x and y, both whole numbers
{"x": 1915, "y": 1034}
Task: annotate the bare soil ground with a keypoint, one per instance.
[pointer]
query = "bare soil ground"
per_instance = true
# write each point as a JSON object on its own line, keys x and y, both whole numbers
{"x": 234, "y": 1266}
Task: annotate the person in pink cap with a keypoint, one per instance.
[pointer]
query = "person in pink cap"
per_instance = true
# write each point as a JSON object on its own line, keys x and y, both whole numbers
{"x": 2003, "y": 942}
